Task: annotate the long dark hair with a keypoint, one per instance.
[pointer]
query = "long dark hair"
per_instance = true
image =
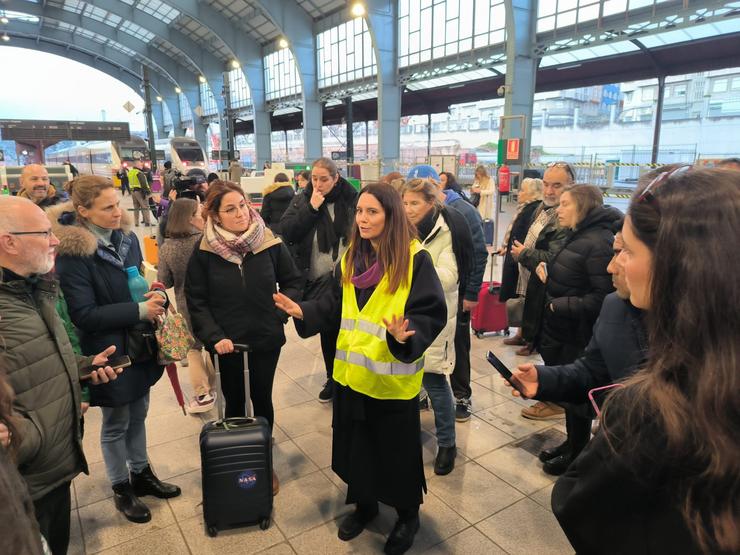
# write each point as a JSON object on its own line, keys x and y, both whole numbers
{"x": 393, "y": 245}
{"x": 688, "y": 391}
{"x": 453, "y": 184}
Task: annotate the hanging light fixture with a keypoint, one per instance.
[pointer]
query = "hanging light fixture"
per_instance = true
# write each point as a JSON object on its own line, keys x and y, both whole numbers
{"x": 358, "y": 9}
{"x": 5, "y": 37}
{"x": 159, "y": 99}
{"x": 4, "y": 20}
{"x": 201, "y": 79}
{"x": 234, "y": 64}
{"x": 178, "y": 90}
{"x": 283, "y": 43}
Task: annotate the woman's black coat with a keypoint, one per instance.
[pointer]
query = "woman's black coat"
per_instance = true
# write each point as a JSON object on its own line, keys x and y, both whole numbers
{"x": 274, "y": 205}
{"x": 230, "y": 301}
{"x": 298, "y": 224}
{"x": 510, "y": 270}
{"x": 101, "y": 308}
{"x": 577, "y": 279}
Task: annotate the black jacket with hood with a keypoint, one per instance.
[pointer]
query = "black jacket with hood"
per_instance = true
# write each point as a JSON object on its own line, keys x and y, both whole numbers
{"x": 275, "y": 201}
{"x": 299, "y": 222}
{"x": 577, "y": 280}
{"x": 95, "y": 286}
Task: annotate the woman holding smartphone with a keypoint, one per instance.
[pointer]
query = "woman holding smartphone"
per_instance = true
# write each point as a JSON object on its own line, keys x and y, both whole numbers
{"x": 389, "y": 306}
{"x": 661, "y": 475}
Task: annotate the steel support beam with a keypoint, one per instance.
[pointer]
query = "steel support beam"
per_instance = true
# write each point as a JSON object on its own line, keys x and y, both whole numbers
{"x": 521, "y": 65}
{"x": 382, "y": 22}
{"x": 297, "y": 27}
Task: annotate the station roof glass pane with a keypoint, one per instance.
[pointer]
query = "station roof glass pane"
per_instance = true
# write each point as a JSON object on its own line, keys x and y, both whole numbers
{"x": 160, "y": 10}
{"x": 457, "y": 78}
{"x": 321, "y": 8}
{"x": 249, "y": 16}
{"x": 281, "y": 75}
{"x": 345, "y": 54}
{"x": 556, "y": 14}
{"x": 136, "y": 31}
{"x": 16, "y": 16}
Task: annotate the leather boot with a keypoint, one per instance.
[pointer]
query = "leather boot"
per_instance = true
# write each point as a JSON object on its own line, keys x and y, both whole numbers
{"x": 130, "y": 505}
{"x": 547, "y": 454}
{"x": 146, "y": 483}
{"x": 353, "y": 524}
{"x": 445, "y": 460}
{"x": 402, "y": 536}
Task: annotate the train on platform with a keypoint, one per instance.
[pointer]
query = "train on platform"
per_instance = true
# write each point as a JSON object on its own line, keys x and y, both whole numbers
{"x": 184, "y": 153}
{"x": 102, "y": 157}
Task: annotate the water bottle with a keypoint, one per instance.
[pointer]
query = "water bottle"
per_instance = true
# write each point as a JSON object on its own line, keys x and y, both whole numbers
{"x": 137, "y": 285}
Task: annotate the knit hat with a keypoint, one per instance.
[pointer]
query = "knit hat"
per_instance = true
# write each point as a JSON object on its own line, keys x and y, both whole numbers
{"x": 423, "y": 172}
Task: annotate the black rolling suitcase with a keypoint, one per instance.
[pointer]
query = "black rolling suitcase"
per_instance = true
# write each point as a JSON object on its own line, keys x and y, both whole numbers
{"x": 236, "y": 466}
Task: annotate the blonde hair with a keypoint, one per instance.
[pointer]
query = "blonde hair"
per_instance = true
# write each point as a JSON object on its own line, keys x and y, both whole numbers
{"x": 424, "y": 187}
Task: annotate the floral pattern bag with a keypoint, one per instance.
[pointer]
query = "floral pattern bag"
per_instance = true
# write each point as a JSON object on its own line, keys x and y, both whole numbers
{"x": 173, "y": 337}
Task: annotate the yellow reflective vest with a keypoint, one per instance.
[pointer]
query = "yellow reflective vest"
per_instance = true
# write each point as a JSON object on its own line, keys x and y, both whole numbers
{"x": 363, "y": 361}
{"x": 134, "y": 178}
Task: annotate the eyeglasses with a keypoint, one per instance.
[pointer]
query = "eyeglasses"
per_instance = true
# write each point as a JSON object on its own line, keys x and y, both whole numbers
{"x": 232, "y": 210}
{"x": 566, "y": 166}
{"x": 647, "y": 193}
{"x": 47, "y": 234}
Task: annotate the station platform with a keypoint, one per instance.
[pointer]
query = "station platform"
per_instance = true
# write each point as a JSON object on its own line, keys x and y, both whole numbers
{"x": 496, "y": 500}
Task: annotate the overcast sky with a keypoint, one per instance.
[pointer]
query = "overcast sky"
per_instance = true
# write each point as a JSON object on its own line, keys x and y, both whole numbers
{"x": 36, "y": 85}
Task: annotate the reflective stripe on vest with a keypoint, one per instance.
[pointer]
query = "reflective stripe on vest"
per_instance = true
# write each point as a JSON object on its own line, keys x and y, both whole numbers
{"x": 363, "y": 360}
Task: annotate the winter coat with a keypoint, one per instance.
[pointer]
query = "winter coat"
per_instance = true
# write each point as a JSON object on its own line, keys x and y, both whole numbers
{"x": 618, "y": 347}
{"x": 275, "y": 201}
{"x": 99, "y": 301}
{"x": 577, "y": 279}
{"x": 45, "y": 374}
{"x": 172, "y": 268}
{"x": 52, "y": 197}
{"x": 548, "y": 244}
{"x": 230, "y": 301}
{"x": 440, "y": 356}
{"x": 18, "y": 527}
{"x": 611, "y": 505}
{"x": 298, "y": 223}
{"x": 480, "y": 252}
{"x": 510, "y": 270}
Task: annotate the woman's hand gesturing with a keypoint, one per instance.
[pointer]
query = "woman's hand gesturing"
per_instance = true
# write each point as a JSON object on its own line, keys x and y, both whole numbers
{"x": 398, "y": 328}
{"x": 288, "y": 305}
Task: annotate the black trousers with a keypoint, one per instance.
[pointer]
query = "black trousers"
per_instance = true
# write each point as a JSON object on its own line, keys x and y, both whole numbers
{"x": 329, "y": 349}
{"x": 577, "y": 415}
{"x": 52, "y": 514}
{"x": 262, "y": 366}
{"x": 460, "y": 378}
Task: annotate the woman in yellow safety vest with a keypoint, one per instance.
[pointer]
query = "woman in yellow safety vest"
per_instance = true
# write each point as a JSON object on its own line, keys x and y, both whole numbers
{"x": 389, "y": 306}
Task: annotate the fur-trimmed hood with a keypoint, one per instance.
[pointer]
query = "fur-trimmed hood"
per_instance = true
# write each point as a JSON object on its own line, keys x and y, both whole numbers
{"x": 74, "y": 238}
{"x": 275, "y": 186}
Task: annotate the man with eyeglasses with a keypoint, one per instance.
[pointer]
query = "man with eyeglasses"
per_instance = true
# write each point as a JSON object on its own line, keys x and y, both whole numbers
{"x": 543, "y": 240}
{"x": 36, "y": 186}
{"x": 41, "y": 367}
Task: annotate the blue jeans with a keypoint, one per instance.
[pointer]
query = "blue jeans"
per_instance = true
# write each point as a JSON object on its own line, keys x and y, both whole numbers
{"x": 123, "y": 439}
{"x": 440, "y": 396}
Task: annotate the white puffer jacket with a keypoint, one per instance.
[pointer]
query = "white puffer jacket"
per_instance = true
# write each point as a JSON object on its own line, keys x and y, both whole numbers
{"x": 440, "y": 357}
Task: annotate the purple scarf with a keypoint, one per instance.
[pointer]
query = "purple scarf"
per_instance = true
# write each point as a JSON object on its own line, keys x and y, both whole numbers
{"x": 367, "y": 278}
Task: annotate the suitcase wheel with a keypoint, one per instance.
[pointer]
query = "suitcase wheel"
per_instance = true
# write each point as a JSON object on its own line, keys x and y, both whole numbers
{"x": 212, "y": 531}
{"x": 265, "y": 523}
{"x": 479, "y": 334}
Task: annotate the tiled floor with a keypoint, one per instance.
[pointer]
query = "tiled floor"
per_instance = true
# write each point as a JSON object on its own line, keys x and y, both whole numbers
{"x": 495, "y": 501}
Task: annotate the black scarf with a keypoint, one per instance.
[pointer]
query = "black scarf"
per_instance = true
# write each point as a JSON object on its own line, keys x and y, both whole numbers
{"x": 329, "y": 233}
{"x": 425, "y": 226}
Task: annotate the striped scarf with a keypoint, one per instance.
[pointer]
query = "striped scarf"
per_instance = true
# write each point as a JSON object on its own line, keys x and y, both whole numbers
{"x": 232, "y": 247}
{"x": 544, "y": 218}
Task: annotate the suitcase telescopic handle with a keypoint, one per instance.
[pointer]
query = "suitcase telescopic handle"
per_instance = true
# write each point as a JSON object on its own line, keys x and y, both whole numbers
{"x": 242, "y": 348}
{"x": 220, "y": 404}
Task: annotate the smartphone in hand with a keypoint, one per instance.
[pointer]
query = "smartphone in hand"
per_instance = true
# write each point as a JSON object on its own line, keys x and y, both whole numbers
{"x": 122, "y": 361}
{"x": 506, "y": 373}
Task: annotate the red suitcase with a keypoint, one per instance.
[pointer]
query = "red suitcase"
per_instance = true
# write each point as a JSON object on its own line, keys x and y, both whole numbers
{"x": 490, "y": 314}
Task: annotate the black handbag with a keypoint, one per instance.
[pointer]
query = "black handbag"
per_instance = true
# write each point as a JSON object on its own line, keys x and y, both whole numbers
{"x": 141, "y": 343}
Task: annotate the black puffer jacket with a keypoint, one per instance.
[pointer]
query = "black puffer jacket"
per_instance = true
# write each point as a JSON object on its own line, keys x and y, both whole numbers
{"x": 275, "y": 201}
{"x": 298, "y": 224}
{"x": 100, "y": 304}
{"x": 230, "y": 301}
{"x": 577, "y": 279}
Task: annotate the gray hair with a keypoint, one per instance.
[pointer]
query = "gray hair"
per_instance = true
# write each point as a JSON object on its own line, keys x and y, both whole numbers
{"x": 534, "y": 185}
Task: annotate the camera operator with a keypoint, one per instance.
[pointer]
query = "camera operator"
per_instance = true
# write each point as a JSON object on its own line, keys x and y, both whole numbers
{"x": 193, "y": 186}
